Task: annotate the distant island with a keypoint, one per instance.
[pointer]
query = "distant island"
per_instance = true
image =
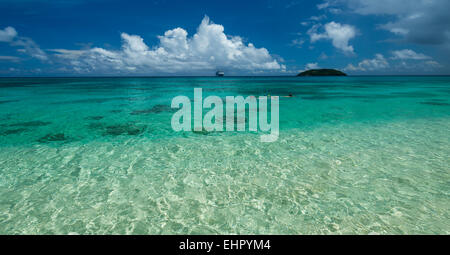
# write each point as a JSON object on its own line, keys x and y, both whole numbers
{"x": 322, "y": 72}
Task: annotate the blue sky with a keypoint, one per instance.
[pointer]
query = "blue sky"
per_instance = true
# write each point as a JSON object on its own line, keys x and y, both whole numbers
{"x": 100, "y": 37}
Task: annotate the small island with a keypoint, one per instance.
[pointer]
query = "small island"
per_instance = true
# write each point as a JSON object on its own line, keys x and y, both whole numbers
{"x": 322, "y": 72}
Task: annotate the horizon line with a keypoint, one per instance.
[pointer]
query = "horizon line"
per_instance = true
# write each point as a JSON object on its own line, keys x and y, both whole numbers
{"x": 230, "y": 76}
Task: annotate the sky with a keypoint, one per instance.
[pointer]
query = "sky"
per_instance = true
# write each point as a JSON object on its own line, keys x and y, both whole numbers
{"x": 267, "y": 37}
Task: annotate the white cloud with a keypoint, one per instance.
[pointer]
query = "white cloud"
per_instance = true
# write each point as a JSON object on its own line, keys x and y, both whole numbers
{"x": 304, "y": 23}
{"x": 29, "y": 47}
{"x": 433, "y": 64}
{"x": 208, "y": 49}
{"x": 7, "y": 34}
{"x": 310, "y": 66}
{"x": 409, "y": 54}
{"x": 420, "y": 21}
{"x": 323, "y": 5}
{"x": 26, "y": 45}
{"x": 335, "y": 10}
{"x": 384, "y": 6}
{"x": 339, "y": 34}
{"x": 377, "y": 63}
{"x": 9, "y": 58}
{"x": 323, "y": 56}
{"x": 63, "y": 53}
{"x": 297, "y": 43}
{"x": 351, "y": 67}
{"x": 375, "y": 7}
{"x": 318, "y": 18}
{"x": 292, "y": 4}
{"x": 423, "y": 66}
{"x": 380, "y": 63}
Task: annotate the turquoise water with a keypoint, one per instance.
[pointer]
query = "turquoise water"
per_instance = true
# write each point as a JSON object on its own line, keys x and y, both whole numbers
{"x": 364, "y": 155}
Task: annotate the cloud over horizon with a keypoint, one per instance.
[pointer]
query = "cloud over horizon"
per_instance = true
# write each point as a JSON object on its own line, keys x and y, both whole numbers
{"x": 26, "y": 45}
{"x": 409, "y": 54}
{"x": 424, "y": 22}
{"x": 379, "y": 62}
{"x": 412, "y": 36}
{"x": 208, "y": 49}
{"x": 402, "y": 60}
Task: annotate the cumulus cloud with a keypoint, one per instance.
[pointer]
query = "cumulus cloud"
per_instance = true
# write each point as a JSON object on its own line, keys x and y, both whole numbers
{"x": 7, "y": 34}
{"x": 377, "y": 63}
{"x": 310, "y": 66}
{"x": 409, "y": 54}
{"x": 406, "y": 60}
{"x": 424, "y": 66}
{"x": 25, "y": 45}
{"x": 339, "y": 34}
{"x": 208, "y": 49}
{"x": 420, "y": 21}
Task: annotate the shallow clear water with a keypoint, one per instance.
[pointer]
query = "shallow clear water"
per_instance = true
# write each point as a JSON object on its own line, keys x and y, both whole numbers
{"x": 98, "y": 156}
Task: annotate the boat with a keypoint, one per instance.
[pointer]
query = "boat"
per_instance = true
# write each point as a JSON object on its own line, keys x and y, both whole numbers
{"x": 220, "y": 73}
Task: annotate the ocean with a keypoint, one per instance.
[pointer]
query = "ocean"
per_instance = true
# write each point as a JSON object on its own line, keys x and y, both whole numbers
{"x": 355, "y": 155}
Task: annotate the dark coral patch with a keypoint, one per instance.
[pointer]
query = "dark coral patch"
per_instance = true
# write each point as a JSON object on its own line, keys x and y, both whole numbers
{"x": 91, "y": 100}
{"x": 435, "y": 103}
{"x": 60, "y": 137}
{"x": 8, "y": 101}
{"x": 123, "y": 129}
{"x": 31, "y": 124}
{"x": 203, "y": 132}
{"x": 76, "y": 172}
{"x": 116, "y": 130}
{"x": 141, "y": 112}
{"x": 96, "y": 125}
{"x": 14, "y": 131}
{"x": 316, "y": 98}
{"x": 413, "y": 94}
{"x": 94, "y": 117}
{"x": 159, "y": 108}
